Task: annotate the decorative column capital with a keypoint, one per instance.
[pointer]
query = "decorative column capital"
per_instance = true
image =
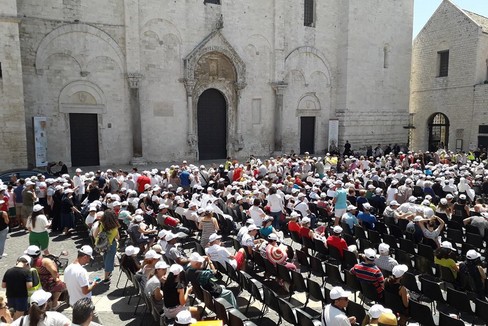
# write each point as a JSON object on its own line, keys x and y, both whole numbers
{"x": 189, "y": 85}
{"x": 279, "y": 87}
{"x": 134, "y": 79}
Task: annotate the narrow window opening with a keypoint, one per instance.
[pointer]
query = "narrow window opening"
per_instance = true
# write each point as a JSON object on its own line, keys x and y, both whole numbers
{"x": 309, "y": 13}
{"x": 385, "y": 57}
{"x": 443, "y": 63}
{"x": 215, "y": 2}
{"x": 1, "y": 72}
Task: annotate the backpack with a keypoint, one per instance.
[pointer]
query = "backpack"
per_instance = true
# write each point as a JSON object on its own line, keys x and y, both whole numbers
{"x": 36, "y": 281}
{"x": 101, "y": 243}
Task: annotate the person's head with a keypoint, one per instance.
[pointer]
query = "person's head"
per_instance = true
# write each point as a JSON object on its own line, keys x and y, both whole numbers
{"x": 306, "y": 222}
{"x": 473, "y": 257}
{"x": 337, "y": 231}
{"x": 83, "y": 310}
{"x": 174, "y": 273}
{"x": 387, "y": 319}
{"x": 339, "y": 297}
{"x": 398, "y": 271}
{"x": 151, "y": 257}
{"x": 85, "y": 254}
{"x": 252, "y": 230}
{"x": 24, "y": 261}
{"x": 384, "y": 249}
{"x": 183, "y": 318}
{"x": 161, "y": 268}
{"x": 374, "y": 313}
{"x": 445, "y": 251}
{"x": 214, "y": 239}
{"x": 37, "y": 310}
{"x": 33, "y": 251}
{"x": 369, "y": 255}
{"x": 196, "y": 260}
{"x": 109, "y": 220}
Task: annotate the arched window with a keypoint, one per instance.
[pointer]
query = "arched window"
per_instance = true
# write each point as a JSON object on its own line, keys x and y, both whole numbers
{"x": 438, "y": 131}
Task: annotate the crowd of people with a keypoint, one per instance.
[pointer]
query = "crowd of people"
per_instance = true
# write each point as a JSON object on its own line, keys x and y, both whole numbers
{"x": 260, "y": 204}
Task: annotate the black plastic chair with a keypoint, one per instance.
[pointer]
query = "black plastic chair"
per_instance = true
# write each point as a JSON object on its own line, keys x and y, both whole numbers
{"x": 309, "y": 244}
{"x": 320, "y": 248}
{"x": 317, "y": 268}
{"x": 333, "y": 275}
{"x": 445, "y": 320}
{"x": 410, "y": 282}
{"x": 432, "y": 290}
{"x": 356, "y": 310}
{"x": 359, "y": 232}
{"x": 423, "y": 265}
{"x": 446, "y": 274}
{"x": 407, "y": 246}
{"x": 208, "y": 300}
{"x": 221, "y": 307}
{"x": 421, "y": 313}
{"x": 481, "y": 310}
{"x": 395, "y": 231}
{"x": 335, "y": 255}
{"x": 283, "y": 273}
{"x": 394, "y": 302}
{"x": 374, "y": 237}
{"x": 471, "y": 229}
{"x": 369, "y": 291}
{"x": 403, "y": 257}
{"x": 455, "y": 235}
{"x": 352, "y": 282}
{"x": 298, "y": 285}
{"x": 236, "y": 318}
{"x": 270, "y": 269}
{"x": 474, "y": 240}
{"x": 271, "y": 301}
{"x": 231, "y": 272}
{"x": 381, "y": 228}
{"x": 256, "y": 291}
{"x": 391, "y": 240}
{"x": 287, "y": 312}
{"x": 304, "y": 261}
{"x": 304, "y": 319}
{"x": 350, "y": 260}
{"x": 295, "y": 237}
{"x": 425, "y": 251}
{"x": 459, "y": 300}
{"x": 316, "y": 292}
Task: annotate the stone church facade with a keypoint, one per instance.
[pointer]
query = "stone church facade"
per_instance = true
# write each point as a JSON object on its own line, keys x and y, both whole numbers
{"x": 449, "y": 84}
{"x": 160, "y": 80}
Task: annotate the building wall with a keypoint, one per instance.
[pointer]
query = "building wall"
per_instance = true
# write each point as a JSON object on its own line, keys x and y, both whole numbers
{"x": 448, "y": 29}
{"x": 13, "y": 150}
{"x": 74, "y": 50}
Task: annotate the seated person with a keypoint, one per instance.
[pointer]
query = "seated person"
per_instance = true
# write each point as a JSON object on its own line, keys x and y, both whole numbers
{"x": 154, "y": 284}
{"x": 444, "y": 257}
{"x": 366, "y": 219}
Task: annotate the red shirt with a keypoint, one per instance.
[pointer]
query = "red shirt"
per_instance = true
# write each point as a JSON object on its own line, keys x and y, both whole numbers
{"x": 170, "y": 221}
{"x": 338, "y": 242}
{"x": 141, "y": 182}
{"x": 305, "y": 232}
{"x": 294, "y": 227}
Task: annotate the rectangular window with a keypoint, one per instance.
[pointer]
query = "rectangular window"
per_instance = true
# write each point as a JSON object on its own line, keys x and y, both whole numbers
{"x": 215, "y": 2}
{"x": 482, "y": 129}
{"x": 443, "y": 63}
{"x": 1, "y": 72}
{"x": 308, "y": 13}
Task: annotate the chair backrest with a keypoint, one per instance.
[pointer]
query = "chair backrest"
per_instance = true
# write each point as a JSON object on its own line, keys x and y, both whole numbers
{"x": 305, "y": 319}
{"x": 208, "y": 299}
{"x": 333, "y": 274}
{"x": 425, "y": 251}
{"x": 394, "y": 302}
{"x": 458, "y": 300}
{"x": 352, "y": 281}
{"x": 234, "y": 318}
{"x": 350, "y": 259}
{"x": 446, "y": 274}
{"x": 421, "y": 313}
{"x": 303, "y": 258}
{"x": 403, "y": 258}
{"x": 283, "y": 273}
{"x": 474, "y": 239}
{"x": 424, "y": 265}
{"x": 356, "y": 310}
{"x": 317, "y": 267}
{"x": 369, "y": 290}
{"x": 286, "y": 311}
{"x": 256, "y": 293}
{"x": 320, "y": 247}
{"x": 220, "y": 310}
{"x": 359, "y": 232}
{"x": 446, "y": 320}
{"x": 482, "y": 309}
{"x": 391, "y": 240}
{"x": 231, "y": 272}
{"x": 374, "y": 237}
{"x": 335, "y": 254}
{"x": 308, "y": 243}
{"x": 431, "y": 290}
{"x": 298, "y": 282}
{"x": 270, "y": 299}
{"x": 316, "y": 291}
{"x": 410, "y": 282}
{"x": 407, "y": 246}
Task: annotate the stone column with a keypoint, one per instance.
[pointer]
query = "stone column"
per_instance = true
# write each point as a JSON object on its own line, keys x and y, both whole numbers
{"x": 238, "y": 139}
{"x": 192, "y": 138}
{"x": 135, "y": 107}
{"x": 279, "y": 88}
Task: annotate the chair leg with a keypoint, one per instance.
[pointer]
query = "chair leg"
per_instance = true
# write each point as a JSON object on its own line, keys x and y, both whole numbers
{"x": 118, "y": 280}
{"x": 137, "y": 306}
{"x": 125, "y": 287}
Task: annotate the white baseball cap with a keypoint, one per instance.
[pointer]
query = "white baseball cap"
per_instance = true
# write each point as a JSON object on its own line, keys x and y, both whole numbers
{"x": 252, "y": 227}
{"x": 161, "y": 265}
{"x": 305, "y": 220}
{"x": 152, "y": 254}
{"x": 338, "y": 292}
{"x": 213, "y": 237}
{"x": 447, "y": 245}
{"x": 376, "y": 310}
{"x": 37, "y": 208}
{"x": 337, "y": 229}
{"x": 40, "y": 297}
{"x": 273, "y": 237}
{"x": 176, "y": 269}
{"x": 394, "y": 203}
{"x": 351, "y": 207}
{"x": 131, "y": 250}
{"x": 32, "y": 251}
{"x": 196, "y": 257}
{"x": 399, "y": 270}
{"x": 384, "y": 248}
{"x": 184, "y": 317}
{"x": 370, "y": 254}
{"x": 472, "y": 254}
{"x": 367, "y": 206}
{"x": 87, "y": 250}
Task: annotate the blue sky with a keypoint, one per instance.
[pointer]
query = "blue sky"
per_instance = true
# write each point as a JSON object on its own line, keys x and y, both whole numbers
{"x": 425, "y": 8}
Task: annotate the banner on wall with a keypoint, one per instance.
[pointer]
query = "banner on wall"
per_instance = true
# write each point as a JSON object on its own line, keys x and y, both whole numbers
{"x": 333, "y": 136}
{"x": 40, "y": 140}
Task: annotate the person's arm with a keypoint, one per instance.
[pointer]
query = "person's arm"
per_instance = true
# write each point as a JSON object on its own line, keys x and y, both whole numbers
{"x": 4, "y": 285}
{"x": 5, "y": 218}
{"x": 158, "y": 294}
{"x": 442, "y": 223}
{"x": 467, "y": 221}
{"x": 216, "y": 224}
{"x": 51, "y": 267}
{"x": 28, "y": 285}
{"x": 404, "y": 295}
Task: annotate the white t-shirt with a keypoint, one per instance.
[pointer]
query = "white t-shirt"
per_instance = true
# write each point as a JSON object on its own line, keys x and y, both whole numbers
{"x": 76, "y": 277}
{"x": 41, "y": 223}
{"x": 331, "y": 316}
{"x": 220, "y": 254}
{"x": 53, "y": 318}
{"x": 275, "y": 203}
{"x": 256, "y": 213}
{"x": 79, "y": 182}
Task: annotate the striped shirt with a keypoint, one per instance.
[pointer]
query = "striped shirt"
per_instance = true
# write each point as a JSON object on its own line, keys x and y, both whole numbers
{"x": 370, "y": 273}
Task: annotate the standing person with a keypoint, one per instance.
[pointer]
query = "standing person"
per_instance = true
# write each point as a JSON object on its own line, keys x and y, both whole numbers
{"x": 11, "y": 205}
{"x": 4, "y": 222}
{"x": 57, "y": 197}
{"x": 276, "y": 203}
{"x": 17, "y": 280}
{"x": 340, "y": 202}
{"x": 28, "y": 199}
{"x": 79, "y": 184}
{"x": 37, "y": 224}
{"x": 76, "y": 278}
{"x": 67, "y": 212}
{"x": 19, "y": 201}
{"x": 209, "y": 225}
{"x": 38, "y": 314}
{"x": 48, "y": 274}
{"x": 334, "y": 313}
{"x": 110, "y": 225}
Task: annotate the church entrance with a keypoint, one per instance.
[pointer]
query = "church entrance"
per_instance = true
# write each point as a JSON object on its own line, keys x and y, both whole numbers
{"x": 84, "y": 139}
{"x": 307, "y": 134}
{"x": 438, "y": 132}
{"x": 212, "y": 125}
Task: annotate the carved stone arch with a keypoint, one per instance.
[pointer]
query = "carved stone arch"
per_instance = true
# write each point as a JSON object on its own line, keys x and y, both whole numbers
{"x": 167, "y": 27}
{"x": 316, "y": 53}
{"x": 82, "y": 97}
{"x": 45, "y": 47}
{"x": 215, "y": 42}
{"x": 293, "y": 75}
{"x": 309, "y": 105}
{"x": 78, "y": 61}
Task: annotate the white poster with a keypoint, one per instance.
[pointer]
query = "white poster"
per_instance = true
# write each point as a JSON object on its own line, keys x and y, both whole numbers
{"x": 333, "y": 136}
{"x": 40, "y": 140}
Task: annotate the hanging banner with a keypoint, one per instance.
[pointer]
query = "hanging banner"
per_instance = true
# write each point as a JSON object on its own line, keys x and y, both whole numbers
{"x": 40, "y": 140}
{"x": 333, "y": 136}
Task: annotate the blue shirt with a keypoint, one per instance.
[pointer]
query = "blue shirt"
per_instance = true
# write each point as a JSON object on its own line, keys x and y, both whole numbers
{"x": 341, "y": 198}
{"x": 185, "y": 178}
{"x": 367, "y": 219}
{"x": 350, "y": 220}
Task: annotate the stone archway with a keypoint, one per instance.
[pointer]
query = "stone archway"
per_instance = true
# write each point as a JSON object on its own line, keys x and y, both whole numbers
{"x": 214, "y": 64}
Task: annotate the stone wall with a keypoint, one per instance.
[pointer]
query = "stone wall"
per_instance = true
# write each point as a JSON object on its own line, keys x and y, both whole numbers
{"x": 457, "y": 95}
{"x": 13, "y": 150}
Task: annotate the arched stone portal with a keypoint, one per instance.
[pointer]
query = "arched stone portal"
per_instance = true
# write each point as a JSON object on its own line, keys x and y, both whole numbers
{"x": 438, "y": 131}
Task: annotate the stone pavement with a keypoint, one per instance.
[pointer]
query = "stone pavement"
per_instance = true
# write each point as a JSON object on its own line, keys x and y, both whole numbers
{"x": 112, "y": 306}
